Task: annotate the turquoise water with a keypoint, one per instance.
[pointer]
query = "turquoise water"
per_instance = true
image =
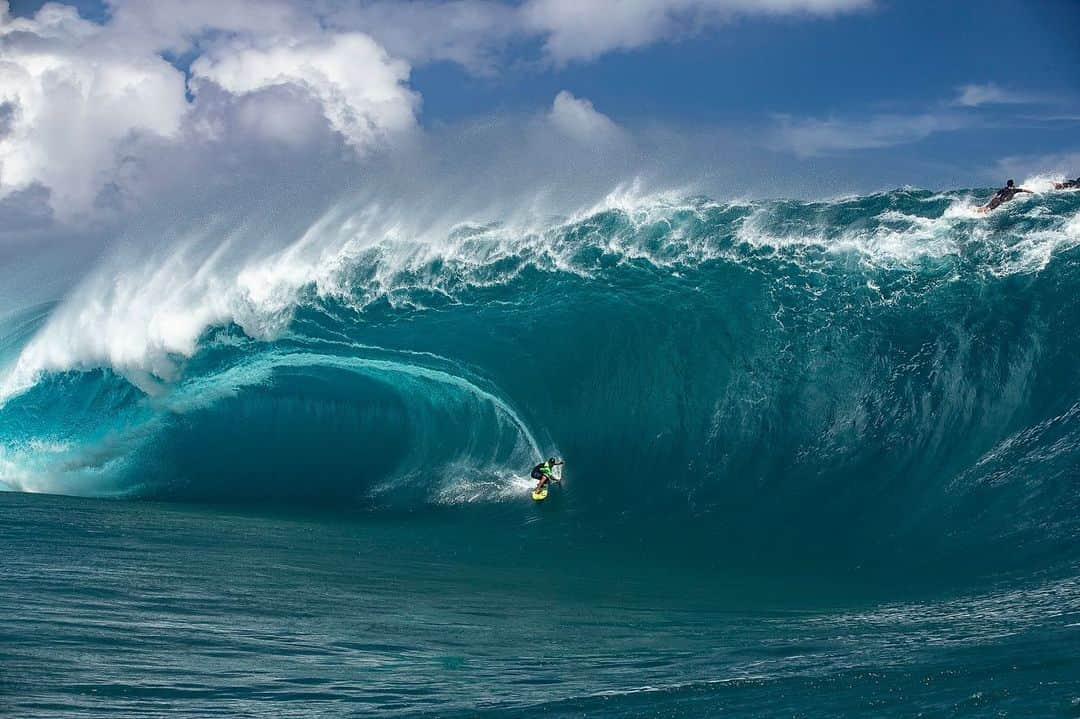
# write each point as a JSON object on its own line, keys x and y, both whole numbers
{"x": 823, "y": 459}
{"x": 139, "y": 609}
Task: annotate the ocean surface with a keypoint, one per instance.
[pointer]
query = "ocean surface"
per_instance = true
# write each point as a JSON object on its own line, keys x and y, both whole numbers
{"x": 823, "y": 459}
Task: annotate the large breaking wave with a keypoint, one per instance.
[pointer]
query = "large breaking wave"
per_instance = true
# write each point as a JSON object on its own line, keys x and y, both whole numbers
{"x": 885, "y": 371}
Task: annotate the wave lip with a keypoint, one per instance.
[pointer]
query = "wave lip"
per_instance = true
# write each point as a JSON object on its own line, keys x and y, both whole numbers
{"x": 142, "y": 316}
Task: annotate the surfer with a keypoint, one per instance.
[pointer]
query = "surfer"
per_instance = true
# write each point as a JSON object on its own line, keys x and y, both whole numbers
{"x": 1068, "y": 185}
{"x": 545, "y": 472}
{"x": 1002, "y": 196}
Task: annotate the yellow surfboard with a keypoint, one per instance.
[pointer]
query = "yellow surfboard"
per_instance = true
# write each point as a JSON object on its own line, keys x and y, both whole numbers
{"x": 540, "y": 494}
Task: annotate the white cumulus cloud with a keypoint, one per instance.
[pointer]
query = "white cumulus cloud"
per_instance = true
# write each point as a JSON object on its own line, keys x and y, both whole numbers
{"x": 362, "y": 89}
{"x": 475, "y": 33}
{"x": 471, "y": 33}
{"x": 86, "y": 107}
{"x": 175, "y": 25}
{"x": 586, "y": 29}
{"x": 82, "y": 103}
{"x": 578, "y": 119}
{"x": 73, "y": 98}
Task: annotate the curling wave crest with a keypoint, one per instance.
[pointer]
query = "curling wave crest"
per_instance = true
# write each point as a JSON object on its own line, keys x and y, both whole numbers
{"x": 894, "y": 366}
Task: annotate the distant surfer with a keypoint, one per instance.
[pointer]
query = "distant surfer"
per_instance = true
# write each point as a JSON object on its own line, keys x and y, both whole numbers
{"x": 1002, "y": 196}
{"x": 1068, "y": 185}
{"x": 544, "y": 473}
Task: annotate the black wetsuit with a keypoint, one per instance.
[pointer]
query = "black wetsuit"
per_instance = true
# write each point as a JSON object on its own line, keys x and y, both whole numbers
{"x": 1003, "y": 195}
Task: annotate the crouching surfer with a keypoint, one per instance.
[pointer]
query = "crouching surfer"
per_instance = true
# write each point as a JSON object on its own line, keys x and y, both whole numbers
{"x": 544, "y": 473}
{"x": 1002, "y": 196}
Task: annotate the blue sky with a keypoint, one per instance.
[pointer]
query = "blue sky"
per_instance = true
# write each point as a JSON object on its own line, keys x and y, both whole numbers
{"x": 900, "y": 55}
{"x": 904, "y": 58}
{"x": 893, "y": 52}
{"x": 816, "y": 97}
{"x": 894, "y": 55}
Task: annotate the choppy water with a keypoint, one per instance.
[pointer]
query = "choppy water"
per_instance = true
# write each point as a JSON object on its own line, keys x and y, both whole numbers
{"x": 133, "y": 609}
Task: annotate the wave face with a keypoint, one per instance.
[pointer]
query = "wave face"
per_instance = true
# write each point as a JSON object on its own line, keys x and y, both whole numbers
{"x": 891, "y": 373}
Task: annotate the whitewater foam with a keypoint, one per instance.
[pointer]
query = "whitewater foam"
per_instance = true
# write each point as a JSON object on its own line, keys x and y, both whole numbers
{"x": 143, "y": 317}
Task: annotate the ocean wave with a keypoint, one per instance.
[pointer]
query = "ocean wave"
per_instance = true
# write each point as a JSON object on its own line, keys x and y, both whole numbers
{"x": 141, "y": 316}
{"x": 758, "y": 369}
